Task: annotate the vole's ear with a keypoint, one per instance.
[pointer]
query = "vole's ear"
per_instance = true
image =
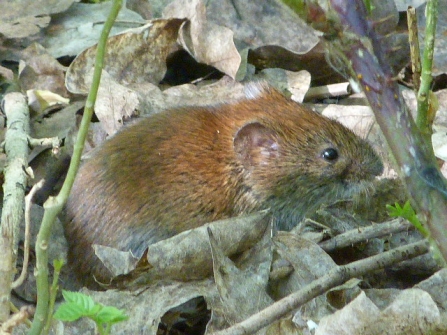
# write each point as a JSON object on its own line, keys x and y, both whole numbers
{"x": 255, "y": 144}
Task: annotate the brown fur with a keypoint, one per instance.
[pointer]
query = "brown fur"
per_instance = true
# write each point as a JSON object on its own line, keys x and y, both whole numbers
{"x": 185, "y": 167}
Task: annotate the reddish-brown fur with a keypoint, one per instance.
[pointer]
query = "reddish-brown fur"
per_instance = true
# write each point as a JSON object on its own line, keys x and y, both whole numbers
{"x": 185, "y": 167}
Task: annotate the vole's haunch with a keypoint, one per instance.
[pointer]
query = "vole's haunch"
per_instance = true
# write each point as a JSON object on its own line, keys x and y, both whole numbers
{"x": 182, "y": 168}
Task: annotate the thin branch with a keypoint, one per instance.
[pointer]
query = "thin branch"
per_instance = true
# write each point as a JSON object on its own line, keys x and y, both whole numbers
{"x": 328, "y": 91}
{"x": 362, "y": 234}
{"x": 415, "y": 51}
{"x": 53, "y": 142}
{"x": 16, "y": 148}
{"x": 335, "y": 277}
{"x": 28, "y": 204}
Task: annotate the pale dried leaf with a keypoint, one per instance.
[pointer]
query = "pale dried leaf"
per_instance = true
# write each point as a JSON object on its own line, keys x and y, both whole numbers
{"x": 382, "y": 297}
{"x": 207, "y": 42}
{"x": 114, "y": 104}
{"x": 80, "y": 26}
{"x": 6, "y": 74}
{"x": 187, "y": 255}
{"x": 351, "y": 319}
{"x": 242, "y": 290}
{"x": 309, "y": 262}
{"x": 56, "y": 124}
{"x": 24, "y": 26}
{"x": 20, "y": 8}
{"x": 441, "y": 115}
{"x": 153, "y": 100}
{"x": 439, "y": 140}
{"x": 358, "y": 118}
{"x": 307, "y": 258}
{"x": 286, "y": 326}
{"x": 439, "y": 136}
{"x": 41, "y": 71}
{"x": 412, "y": 312}
{"x": 116, "y": 261}
{"x": 39, "y": 100}
{"x": 436, "y": 286}
{"x": 223, "y": 91}
{"x": 263, "y": 23}
{"x": 136, "y": 56}
{"x": 21, "y": 18}
{"x": 298, "y": 83}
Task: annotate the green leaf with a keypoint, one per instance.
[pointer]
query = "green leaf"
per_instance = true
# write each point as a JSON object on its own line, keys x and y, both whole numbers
{"x": 69, "y": 311}
{"x": 394, "y": 211}
{"x": 298, "y": 6}
{"x": 84, "y": 301}
{"x": 407, "y": 212}
{"x": 79, "y": 305}
{"x": 110, "y": 314}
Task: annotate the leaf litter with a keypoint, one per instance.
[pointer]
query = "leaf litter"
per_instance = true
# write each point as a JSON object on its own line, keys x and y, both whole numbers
{"x": 216, "y": 35}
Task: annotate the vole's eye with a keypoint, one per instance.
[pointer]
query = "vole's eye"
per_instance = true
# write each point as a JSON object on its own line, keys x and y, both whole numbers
{"x": 329, "y": 154}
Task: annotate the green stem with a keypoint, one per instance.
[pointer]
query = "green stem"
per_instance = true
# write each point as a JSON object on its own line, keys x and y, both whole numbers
{"x": 100, "y": 328}
{"x": 53, "y": 206}
{"x": 424, "y": 119}
{"x": 57, "y": 264}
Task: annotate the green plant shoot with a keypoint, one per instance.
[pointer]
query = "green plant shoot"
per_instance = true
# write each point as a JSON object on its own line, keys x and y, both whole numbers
{"x": 78, "y": 305}
{"x": 407, "y": 212}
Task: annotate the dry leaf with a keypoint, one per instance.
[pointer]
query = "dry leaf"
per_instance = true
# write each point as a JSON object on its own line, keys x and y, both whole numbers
{"x": 288, "y": 82}
{"x": 263, "y": 23}
{"x": 360, "y": 119}
{"x": 351, "y": 319}
{"x": 187, "y": 255}
{"x": 153, "y": 100}
{"x": 118, "y": 262}
{"x": 307, "y": 258}
{"x": 298, "y": 83}
{"x": 23, "y": 26}
{"x": 56, "y": 124}
{"x": 242, "y": 290}
{"x": 41, "y": 71}
{"x": 207, "y": 42}
{"x": 6, "y": 74}
{"x": 286, "y": 326}
{"x": 436, "y": 286}
{"x": 80, "y": 26}
{"x": 225, "y": 90}
{"x": 40, "y": 100}
{"x": 412, "y": 312}
{"x": 309, "y": 262}
{"x": 21, "y": 18}
{"x": 114, "y": 104}
{"x": 136, "y": 56}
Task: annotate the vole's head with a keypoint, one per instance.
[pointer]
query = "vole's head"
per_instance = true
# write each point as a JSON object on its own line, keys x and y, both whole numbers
{"x": 295, "y": 159}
